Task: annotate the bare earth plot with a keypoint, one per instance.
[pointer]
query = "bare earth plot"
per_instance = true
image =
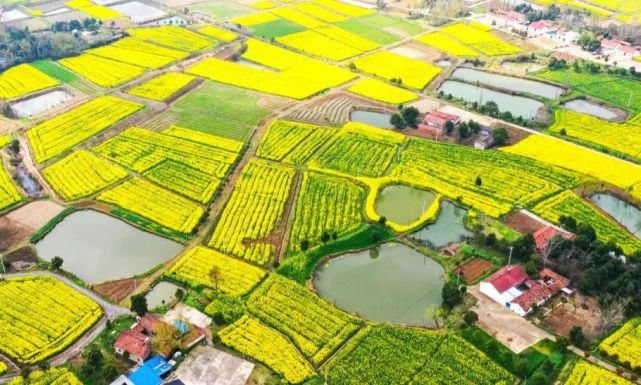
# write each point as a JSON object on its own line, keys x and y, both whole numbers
{"x": 209, "y": 366}
{"x": 507, "y": 327}
{"x": 17, "y": 226}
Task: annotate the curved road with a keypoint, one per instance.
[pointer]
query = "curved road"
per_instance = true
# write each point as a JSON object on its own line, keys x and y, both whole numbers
{"x": 111, "y": 312}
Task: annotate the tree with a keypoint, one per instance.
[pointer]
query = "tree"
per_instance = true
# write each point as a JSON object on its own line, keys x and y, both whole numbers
{"x": 437, "y": 314}
{"x": 411, "y": 116}
{"x": 519, "y": 364}
{"x": 475, "y": 127}
{"x": 325, "y": 237}
{"x": 382, "y": 220}
{"x": 397, "y": 121}
{"x": 539, "y": 378}
{"x": 56, "y": 263}
{"x": 94, "y": 358}
{"x": 576, "y": 336}
{"x": 139, "y": 304}
{"x": 214, "y": 275}
{"x": 478, "y": 182}
{"x": 500, "y": 136}
{"x": 449, "y": 127}
{"x": 451, "y": 295}
{"x": 568, "y": 222}
{"x": 304, "y": 245}
{"x": 562, "y": 344}
{"x": 470, "y": 317}
{"x": 166, "y": 338}
{"x": 464, "y": 131}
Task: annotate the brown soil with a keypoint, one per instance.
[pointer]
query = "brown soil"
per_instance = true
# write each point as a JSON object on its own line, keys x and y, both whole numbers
{"x": 579, "y": 310}
{"x": 24, "y": 254}
{"x": 522, "y": 223}
{"x": 473, "y": 269}
{"x": 35, "y": 214}
{"x": 12, "y": 234}
{"x": 419, "y": 51}
{"x": 117, "y": 291}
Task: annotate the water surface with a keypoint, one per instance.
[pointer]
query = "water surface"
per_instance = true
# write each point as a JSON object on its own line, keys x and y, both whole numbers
{"x": 402, "y": 204}
{"x": 448, "y": 228}
{"x": 508, "y": 83}
{"x": 40, "y": 104}
{"x": 97, "y": 247}
{"x": 627, "y": 215}
{"x": 395, "y": 284}
{"x": 162, "y": 294}
{"x": 590, "y": 108}
{"x": 372, "y": 118}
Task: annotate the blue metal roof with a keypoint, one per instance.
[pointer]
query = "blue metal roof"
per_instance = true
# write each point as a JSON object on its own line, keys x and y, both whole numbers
{"x": 150, "y": 372}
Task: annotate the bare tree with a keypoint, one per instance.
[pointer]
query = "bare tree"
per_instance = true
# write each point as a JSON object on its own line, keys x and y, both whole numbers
{"x": 611, "y": 314}
{"x": 214, "y": 274}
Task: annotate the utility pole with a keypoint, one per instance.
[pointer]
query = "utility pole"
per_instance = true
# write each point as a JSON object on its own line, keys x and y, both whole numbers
{"x": 509, "y": 261}
{"x": 2, "y": 263}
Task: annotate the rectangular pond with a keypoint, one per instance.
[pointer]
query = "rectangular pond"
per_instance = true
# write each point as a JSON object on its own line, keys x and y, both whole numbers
{"x": 97, "y": 247}
{"x": 517, "y": 105}
{"x": 372, "y": 118}
{"x": 623, "y": 212}
{"x": 510, "y": 83}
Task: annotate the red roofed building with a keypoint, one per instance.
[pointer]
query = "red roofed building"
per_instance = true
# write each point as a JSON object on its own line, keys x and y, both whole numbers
{"x": 544, "y": 235}
{"x": 434, "y": 122}
{"x": 513, "y": 288}
{"x": 540, "y": 27}
{"x": 135, "y": 343}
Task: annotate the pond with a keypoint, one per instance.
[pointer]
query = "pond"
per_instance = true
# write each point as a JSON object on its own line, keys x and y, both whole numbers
{"x": 403, "y": 205}
{"x": 393, "y": 283}
{"x": 162, "y": 294}
{"x": 508, "y": 83}
{"x": 591, "y": 108}
{"x": 448, "y": 228}
{"x": 97, "y": 247}
{"x": 40, "y": 104}
{"x": 518, "y": 105}
{"x": 372, "y": 118}
{"x": 623, "y": 212}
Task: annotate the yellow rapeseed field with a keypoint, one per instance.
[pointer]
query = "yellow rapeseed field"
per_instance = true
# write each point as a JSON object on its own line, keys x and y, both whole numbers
{"x": 22, "y": 80}
{"x": 102, "y": 71}
{"x": 411, "y": 73}
{"x": 378, "y": 90}
{"x": 173, "y": 37}
{"x": 447, "y": 44}
{"x": 139, "y": 53}
{"x": 95, "y": 10}
{"x": 163, "y": 86}
{"x": 218, "y": 33}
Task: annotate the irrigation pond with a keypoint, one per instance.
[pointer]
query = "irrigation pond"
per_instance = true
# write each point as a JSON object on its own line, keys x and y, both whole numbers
{"x": 392, "y": 283}
{"x": 97, "y": 247}
{"x": 591, "y": 108}
{"x": 162, "y": 294}
{"x": 402, "y": 204}
{"x": 372, "y": 118}
{"x": 509, "y": 83}
{"x": 448, "y": 228}
{"x": 40, "y": 104}
{"x": 626, "y": 214}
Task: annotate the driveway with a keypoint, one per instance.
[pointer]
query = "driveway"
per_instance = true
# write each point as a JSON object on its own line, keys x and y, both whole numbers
{"x": 510, "y": 329}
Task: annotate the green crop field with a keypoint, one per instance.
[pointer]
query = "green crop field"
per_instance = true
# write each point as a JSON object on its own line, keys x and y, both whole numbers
{"x": 380, "y": 28}
{"x": 619, "y": 91}
{"x": 221, "y": 9}
{"x": 276, "y": 28}
{"x": 236, "y": 111}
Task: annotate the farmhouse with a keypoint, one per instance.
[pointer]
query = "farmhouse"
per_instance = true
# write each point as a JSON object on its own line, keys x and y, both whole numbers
{"x": 539, "y": 28}
{"x": 618, "y": 48}
{"x": 512, "y": 287}
{"x": 434, "y": 122}
{"x": 544, "y": 235}
{"x": 136, "y": 341}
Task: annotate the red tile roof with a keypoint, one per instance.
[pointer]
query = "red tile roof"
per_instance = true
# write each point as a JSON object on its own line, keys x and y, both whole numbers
{"x": 149, "y": 323}
{"x": 543, "y": 236}
{"x": 551, "y": 283}
{"x": 507, "y": 277}
{"x": 134, "y": 342}
{"x": 445, "y": 115}
{"x": 538, "y": 25}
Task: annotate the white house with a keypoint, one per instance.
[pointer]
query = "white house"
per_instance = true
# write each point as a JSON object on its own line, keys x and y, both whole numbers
{"x": 514, "y": 289}
{"x": 565, "y": 36}
{"x": 539, "y": 28}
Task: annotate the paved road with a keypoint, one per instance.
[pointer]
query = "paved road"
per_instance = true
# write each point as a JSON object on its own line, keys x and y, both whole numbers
{"x": 601, "y": 363}
{"x": 111, "y": 311}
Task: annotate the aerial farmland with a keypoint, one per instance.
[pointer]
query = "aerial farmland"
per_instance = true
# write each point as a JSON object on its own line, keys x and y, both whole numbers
{"x": 320, "y": 192}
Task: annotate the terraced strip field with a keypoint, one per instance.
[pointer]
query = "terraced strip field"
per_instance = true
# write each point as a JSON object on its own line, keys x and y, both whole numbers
{"x": 568, "y": 203}
{"x": 326, "y": 204}
{"x": 81, "y": 175}
{"x": 184, "y": 180}
{"x": 445, "y": 43}
{"x": 313, "y": 325}
{"x": 63, "y": 316}
{"x": 149, "y": 201}
{"x": 599, "y": 133}
{"x": 139, "y": 53}
{"x": 237, "y": 111}
{"x": 104, "y": 72}
{"x": 253, "y": 212}
{"x": 411, "y": 356}
{"x": 140, "y": 150}
{"x": 9, "y": 194}
{"x": 22, "y": 80}
{"x": 254, "y": 339}
{"x": 506, "y": 180}
{"x": 480, "y": 40}
{"x": 162, "y": 87}
{"x": 206, "y": 139}
{"x": 292, "y": 142}
{"x": 359, "y": 150}
{"x": 201, "y": 266}
{"x": 625, "y": 343}
{"x": 383, "y": 92}
{"x": 172, "y": 37}
{"x": 64, "y": 131}
{"x": 333, "y": 110}
{"x": 411, "y": 73}
{"x": 579, "y": 159}
{"x": 584, "y": 373}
